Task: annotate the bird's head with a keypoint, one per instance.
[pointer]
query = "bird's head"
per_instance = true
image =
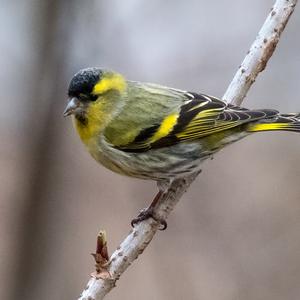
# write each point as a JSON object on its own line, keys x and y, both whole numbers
{"x": 88, "y": 88}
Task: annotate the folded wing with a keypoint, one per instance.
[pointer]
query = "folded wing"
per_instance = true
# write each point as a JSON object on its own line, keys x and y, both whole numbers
{"x": 199, "y": 116}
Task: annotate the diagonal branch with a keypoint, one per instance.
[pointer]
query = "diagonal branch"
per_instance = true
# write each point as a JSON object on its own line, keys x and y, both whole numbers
{"x": 260, "y": 51}
{"x": 138, "y": 239}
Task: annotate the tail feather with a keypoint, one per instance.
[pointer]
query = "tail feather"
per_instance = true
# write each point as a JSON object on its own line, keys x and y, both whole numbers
{"x": 283, "y": 122}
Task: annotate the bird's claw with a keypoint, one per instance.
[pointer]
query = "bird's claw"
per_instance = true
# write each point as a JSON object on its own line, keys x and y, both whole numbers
{"x": 147, "y": 213}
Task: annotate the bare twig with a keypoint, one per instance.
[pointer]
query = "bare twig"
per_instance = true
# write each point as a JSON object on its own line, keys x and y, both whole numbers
{"x": 138, "y": 239}
{"x": 260, "y": 51}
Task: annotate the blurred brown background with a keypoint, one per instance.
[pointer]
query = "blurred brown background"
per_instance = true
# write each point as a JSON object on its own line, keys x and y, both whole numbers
{"x": 236, "y": 232}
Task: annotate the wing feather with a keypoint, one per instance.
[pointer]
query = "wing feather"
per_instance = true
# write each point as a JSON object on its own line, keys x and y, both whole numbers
{"x": 200, "y": 115}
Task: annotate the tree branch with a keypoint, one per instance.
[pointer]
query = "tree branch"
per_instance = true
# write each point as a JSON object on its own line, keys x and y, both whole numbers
{"x": 138, "y": 239}
{"x": 260, "y": 51}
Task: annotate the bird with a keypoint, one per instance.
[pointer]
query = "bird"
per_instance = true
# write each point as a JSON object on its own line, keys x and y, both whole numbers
{"x": 150, "y": 131}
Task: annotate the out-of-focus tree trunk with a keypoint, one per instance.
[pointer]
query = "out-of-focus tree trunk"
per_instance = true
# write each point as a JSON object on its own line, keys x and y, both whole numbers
{"x": 51, "y": 25}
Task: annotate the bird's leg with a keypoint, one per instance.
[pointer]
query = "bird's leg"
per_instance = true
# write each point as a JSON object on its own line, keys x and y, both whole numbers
{"x": 148, "y": 212}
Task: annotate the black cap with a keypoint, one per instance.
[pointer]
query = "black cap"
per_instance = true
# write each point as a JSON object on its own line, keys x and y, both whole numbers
{"x": 84, "y": 81}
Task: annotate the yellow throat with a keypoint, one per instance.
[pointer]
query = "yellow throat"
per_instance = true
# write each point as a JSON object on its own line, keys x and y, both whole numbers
{"x": 99, "y": 112}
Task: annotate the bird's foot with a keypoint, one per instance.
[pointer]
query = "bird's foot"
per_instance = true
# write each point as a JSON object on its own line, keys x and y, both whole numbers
{"x": 147, "y": 213}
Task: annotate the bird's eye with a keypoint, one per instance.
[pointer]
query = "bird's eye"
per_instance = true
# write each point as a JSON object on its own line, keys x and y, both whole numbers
{"x": 93, "y": 97}
{"x": 86, "y": 98}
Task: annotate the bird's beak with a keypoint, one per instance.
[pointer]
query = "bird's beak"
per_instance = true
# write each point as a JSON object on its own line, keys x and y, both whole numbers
{"x": 72, "y": 105}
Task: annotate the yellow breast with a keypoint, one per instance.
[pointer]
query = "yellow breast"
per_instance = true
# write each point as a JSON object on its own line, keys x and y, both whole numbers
{"x": 90, "y": 134}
